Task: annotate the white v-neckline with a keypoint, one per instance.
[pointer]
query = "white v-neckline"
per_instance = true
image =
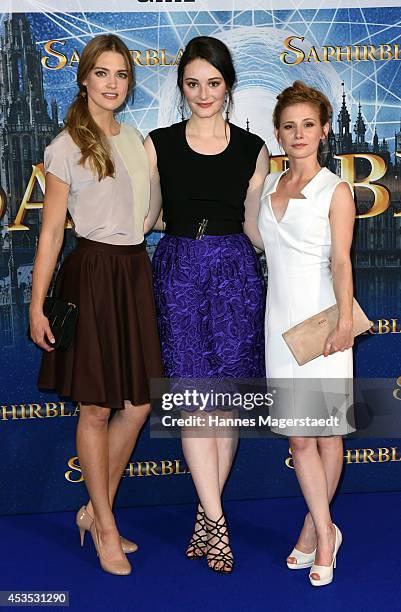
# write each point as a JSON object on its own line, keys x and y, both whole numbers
{"x": 269, "y": 198}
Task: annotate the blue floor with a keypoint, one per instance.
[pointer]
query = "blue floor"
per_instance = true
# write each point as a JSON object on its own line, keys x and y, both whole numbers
{"x": 41, "y": 552}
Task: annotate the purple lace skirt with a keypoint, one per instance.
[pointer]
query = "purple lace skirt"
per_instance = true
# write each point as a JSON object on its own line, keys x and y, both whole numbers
{"x": 210, "y": 301}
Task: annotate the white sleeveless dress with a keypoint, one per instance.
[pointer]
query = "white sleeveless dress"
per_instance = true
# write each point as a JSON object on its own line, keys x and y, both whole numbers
{"x": 298, "y": 249}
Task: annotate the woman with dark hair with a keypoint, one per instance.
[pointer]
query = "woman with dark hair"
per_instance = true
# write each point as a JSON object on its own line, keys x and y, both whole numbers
{"x": 306, "y": 221}
{"x": 98, "y": 170}
{"x": 207, "y": 173}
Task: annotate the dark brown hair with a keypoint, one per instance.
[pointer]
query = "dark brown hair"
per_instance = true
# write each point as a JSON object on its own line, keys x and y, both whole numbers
{"x": 82, "y": 128}
{"x": 217, "y": 54}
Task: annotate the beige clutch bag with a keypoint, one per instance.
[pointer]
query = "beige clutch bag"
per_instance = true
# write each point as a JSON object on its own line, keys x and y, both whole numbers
{"x": 306, "y": 340}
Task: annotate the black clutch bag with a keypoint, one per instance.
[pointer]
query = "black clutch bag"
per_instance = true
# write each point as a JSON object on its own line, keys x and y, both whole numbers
{"x": 62, "y": 319}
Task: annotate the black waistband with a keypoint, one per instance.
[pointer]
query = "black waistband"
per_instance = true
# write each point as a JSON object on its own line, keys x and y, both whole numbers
{"x": 203, "y": 227}
{"x": 109, "y": 249}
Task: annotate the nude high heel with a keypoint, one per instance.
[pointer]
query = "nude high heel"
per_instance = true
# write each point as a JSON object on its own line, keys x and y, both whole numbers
{"x": 326, "y": 572}
{"x": 84, "y": 522}
{"x": 118, "y": 567}
{"x": 303, "y": 560}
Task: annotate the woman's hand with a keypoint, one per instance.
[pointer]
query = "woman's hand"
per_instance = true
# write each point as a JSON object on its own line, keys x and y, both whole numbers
{"x": 40, "y": 330}
{"x": 341, "y": 339}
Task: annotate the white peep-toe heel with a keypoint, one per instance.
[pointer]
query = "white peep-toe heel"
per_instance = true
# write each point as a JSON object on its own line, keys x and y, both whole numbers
{"x": 303, "y": 560}
{"x": 326, "y": 572}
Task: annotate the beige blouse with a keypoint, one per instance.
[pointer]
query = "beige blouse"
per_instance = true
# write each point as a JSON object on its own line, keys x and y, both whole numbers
{"x": 111, "y": 210}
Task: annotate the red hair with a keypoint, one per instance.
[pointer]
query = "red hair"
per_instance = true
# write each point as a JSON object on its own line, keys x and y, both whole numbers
{"x": 300, "y": 93}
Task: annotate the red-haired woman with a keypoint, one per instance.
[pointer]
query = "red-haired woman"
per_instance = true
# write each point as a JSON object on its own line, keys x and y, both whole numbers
{"x": 306, "y": 221}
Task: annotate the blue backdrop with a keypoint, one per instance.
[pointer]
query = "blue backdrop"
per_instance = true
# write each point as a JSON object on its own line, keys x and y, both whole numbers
{"x": 351, "y": 54}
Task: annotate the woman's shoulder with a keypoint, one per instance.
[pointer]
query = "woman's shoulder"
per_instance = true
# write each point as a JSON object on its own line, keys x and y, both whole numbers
{"x": 327, "y": 175}
{"x": 61, "y": 150}
{"x": 270, "y": 182}
{"x": 322, "y": 187}
{"x": 61, "y": 156}
{"x": 273, "y": 176}
{"x": 167, "y": 132}
{"x": 246, "y": 135}
{"x": 164, "y": 138}
{"x": 131, "y": 131}
{"x": 328, "y": 180}
{"x": 62, "y": 144}
{"x": 247, "y": 139}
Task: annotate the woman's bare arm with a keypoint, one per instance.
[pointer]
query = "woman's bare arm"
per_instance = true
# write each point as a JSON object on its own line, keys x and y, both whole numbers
{"x": 342, "y": 219}
{"x": 252, "y": 202}
{"x": 153, "y": 220}
{"x": 50, "y": 242}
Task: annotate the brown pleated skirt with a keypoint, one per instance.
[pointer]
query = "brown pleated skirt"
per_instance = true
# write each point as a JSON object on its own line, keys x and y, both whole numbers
{"x": 116, "y": 348}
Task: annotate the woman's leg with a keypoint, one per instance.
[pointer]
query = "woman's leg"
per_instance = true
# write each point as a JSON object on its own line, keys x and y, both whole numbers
{"x": 209, "y": 453}
{"x": 93, "y": 453}
{"x": 209, "y": 460}
{"x": 312, "y": 479}
{"x": 123, "y": 433}
{"x": 226, "y": 449}
{"x": 331, "y": 453}
{"x": 201, "y": 455}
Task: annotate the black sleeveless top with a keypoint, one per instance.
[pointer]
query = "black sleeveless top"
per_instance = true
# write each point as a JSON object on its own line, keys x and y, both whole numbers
{"x": 197, "y": 187}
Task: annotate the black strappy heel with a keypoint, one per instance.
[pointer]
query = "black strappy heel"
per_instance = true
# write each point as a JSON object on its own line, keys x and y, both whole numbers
{"x": 197, "y": 546}
{"x": 219, "y": 555}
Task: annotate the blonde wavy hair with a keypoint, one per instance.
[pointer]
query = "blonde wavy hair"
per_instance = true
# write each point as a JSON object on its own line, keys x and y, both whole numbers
{"x": 298, "y": 93}
{"x": 83, "y": 129}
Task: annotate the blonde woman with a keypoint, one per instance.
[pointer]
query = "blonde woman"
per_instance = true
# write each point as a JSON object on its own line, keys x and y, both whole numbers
{"x": 97, "y": 170}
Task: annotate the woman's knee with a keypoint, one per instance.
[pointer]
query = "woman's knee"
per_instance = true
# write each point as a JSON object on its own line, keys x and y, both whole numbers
{"x": 131, "y": 413}
{"x": 94, "y": 416}
{"x": 301, "y": 445}
{"x": 330, "y": 443}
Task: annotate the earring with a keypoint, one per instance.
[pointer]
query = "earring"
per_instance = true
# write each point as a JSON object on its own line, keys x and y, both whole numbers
{"x": 182, "y": 110}
{"x": 227, "y": 105}
{"x": 82, "y": 93}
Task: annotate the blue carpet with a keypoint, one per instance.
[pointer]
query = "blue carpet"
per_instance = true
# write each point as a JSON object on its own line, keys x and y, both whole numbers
{"x": 42, "y": 552}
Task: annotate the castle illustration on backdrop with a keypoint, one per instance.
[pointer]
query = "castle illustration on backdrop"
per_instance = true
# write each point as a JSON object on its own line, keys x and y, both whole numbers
{"x": 27, "y": 125}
